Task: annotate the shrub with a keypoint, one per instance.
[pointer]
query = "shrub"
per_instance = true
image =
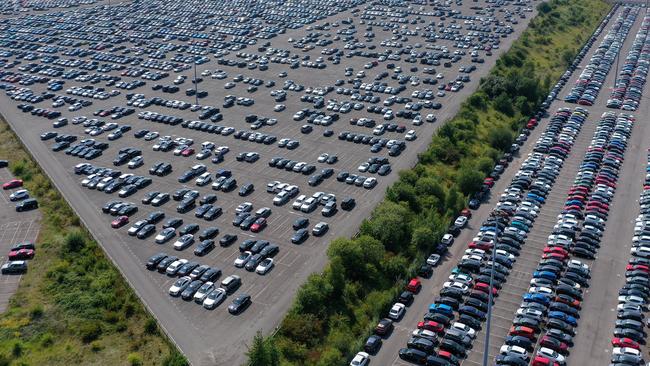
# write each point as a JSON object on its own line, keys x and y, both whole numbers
{"x": 150, "y": 326}
{"x": 134, "y": 359}
{"x": 500, "y": 138}
{"x": 90, "y": 331}
{"x": 175, "y": 359}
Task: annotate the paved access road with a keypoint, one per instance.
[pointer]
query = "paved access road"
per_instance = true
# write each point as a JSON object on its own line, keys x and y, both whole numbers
{"x": 15, "y": 227}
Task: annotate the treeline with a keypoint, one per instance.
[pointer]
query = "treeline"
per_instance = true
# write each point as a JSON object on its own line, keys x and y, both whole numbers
{"x": 335, "y": 310}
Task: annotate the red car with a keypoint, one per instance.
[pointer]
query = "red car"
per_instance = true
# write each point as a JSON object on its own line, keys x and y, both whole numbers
{"x": 414, "y": 285}
{"x": 480, "y": 245}
{"x": 554, "y": 344}
{"x": 556, "y": 250}
{"x": 637, "y": 267}
{"x": 624, "y": 342}
{"x": 431, "y": 325}
{"x": 258, "y": 225}
{"x": 488, "y": 182}
{"x": 566, "y": 299}
{"x": 467, "y": 213}
{"x": 522, "y": 331}
{"x": 21, "y": 254}
{"x": 14, "y": 183}
{"x": 484, "y": 287}
{"x": 543, "y": 361}
{"x": 187, "y": 152}
{"x": 119, "y": 222}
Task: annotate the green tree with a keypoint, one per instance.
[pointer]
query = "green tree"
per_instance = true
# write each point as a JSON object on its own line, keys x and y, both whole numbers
{"x": 503, "y": 104}
{"x": 469, "y": 180}
{"x": 422, "y": 238}
{"x": 500, "y": 138}
{"x": 389, "y": 225}
{"x": 263, "y": 352}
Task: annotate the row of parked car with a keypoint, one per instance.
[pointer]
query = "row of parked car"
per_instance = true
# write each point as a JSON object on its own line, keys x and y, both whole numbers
{"x": 631, "y": 79}
{"x": 198, "y": 282}
{"x": 554, "y": 299}
{"x": 629, "y": 328}
{"x": 593, "y": 76}
{"x": 468, "y": 289}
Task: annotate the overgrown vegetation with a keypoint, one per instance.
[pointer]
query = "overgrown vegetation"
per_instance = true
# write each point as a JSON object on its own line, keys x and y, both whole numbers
{"x": 72, "y": 307}
{"x": 336, "y": 309}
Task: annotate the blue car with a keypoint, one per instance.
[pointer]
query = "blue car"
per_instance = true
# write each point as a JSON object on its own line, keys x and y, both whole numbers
{"x": 536, "y": 197}
{"x": 441, "y": 309}
{"x": 545, "y": 274}
{"x": 538, "y": 298}
{"x": 564, "y": 317}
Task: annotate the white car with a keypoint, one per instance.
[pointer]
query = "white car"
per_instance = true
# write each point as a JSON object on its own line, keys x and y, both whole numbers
{"x": 471, "y": 332}
{"x": 214, "y": 298}
{"x": 626, "y": 351}
{"x": 179, "y": 285}
{"x": 20, "y": 194}
{"x": 323, "y": 157}
{"x": 298, "y": 202}
{"x": 460, "y": 221}
{"x": 184, "y": 242}
{"x": 204, "y": 179}
{"x": 551, "y": 354}
{"x": 242, "y": 259}
{"x": 173, "y": 268}
{"x": 447, "y": 239}
{"x": 513, "y": 350}
{"x": 264, "y": 266}
{"x": 457, "y": 285}
{"x": 244, "y": 207}
{"x": 361, "y": 359}
{"x": 137, "y": 226}
{"x": 203, "y": 292}
{"x": 461, "y": 277}
{"x": 433, "y": 260}
{"x": 363, "y": 167}
{"x": 410, "y": 136}
{"x": 397, "y": 311}
{"x": 540, "y": 290}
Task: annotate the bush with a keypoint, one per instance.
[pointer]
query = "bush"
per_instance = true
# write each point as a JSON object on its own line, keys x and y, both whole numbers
{"x": 150, "y": 326}
{"x": 469, "y": 180}
{"x": 500, "y": 138}
{"x": 90, "y": 331}
{"x": 134, "y": 359}
{"x": 96, "y": 346}
{"x": 175, "y": 359}
{"x": 75, "y": 241}
{"x": 503, "y": 104}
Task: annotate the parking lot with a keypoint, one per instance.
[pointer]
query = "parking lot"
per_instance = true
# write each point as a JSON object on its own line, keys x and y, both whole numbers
{"x": 291, "y": 55}
{"x": 598, "y": 308}
{"x": 15, "y": 227}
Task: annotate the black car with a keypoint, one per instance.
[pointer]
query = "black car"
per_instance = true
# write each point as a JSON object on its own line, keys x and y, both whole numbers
{"x": 155, "y": 217}
{"x": 300, "y": 223}
{"x": 348, "y": 204}
{"x": 373, "y": 344}
{"x": 162, "y": 266}
{"x": 204, "y": 247}
{"x": 239, "y": 304}
{"x": 406, "y": 298}
{"x": 190, "y": 290}
{"x": 425, "y": 271}
{"x": 300, "y": 236}
{"x": 154, "y": 260}
{"x": 209, "y": 233}
{"x": 188, "y": 229}
{"x": 211, "y": 275}
{"x": 413, "y": 355}
{"x": 146, "y": 231}
{"x": 246, "y": 189}
{"x": 227, "y": 240}
{"x": 173, "y": 222}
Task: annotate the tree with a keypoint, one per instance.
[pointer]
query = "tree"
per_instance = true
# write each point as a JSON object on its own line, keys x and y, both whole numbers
{"x": 422, "y": 238}
{"x": 500, "y": 138}
{"x": 478, "y": 100}
{"x": 313, "y": 296}
{"x": 503, "y": 104}
{"x": 390, "y": 225}
{"x": 544, "y": 8}
{"x": 469, "y": 180}
{"x": 263, "y": 352}
{"x": 360, "y": 257}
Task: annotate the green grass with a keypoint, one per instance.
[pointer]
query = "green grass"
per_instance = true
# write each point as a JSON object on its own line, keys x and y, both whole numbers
{"x": 72, "y": 307}
{"x": 336, "y": 310}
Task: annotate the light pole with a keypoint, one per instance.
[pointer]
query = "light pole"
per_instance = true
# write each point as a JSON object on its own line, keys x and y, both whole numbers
{"x": 486, "y": 346}
{"x": 196, "y": 85}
